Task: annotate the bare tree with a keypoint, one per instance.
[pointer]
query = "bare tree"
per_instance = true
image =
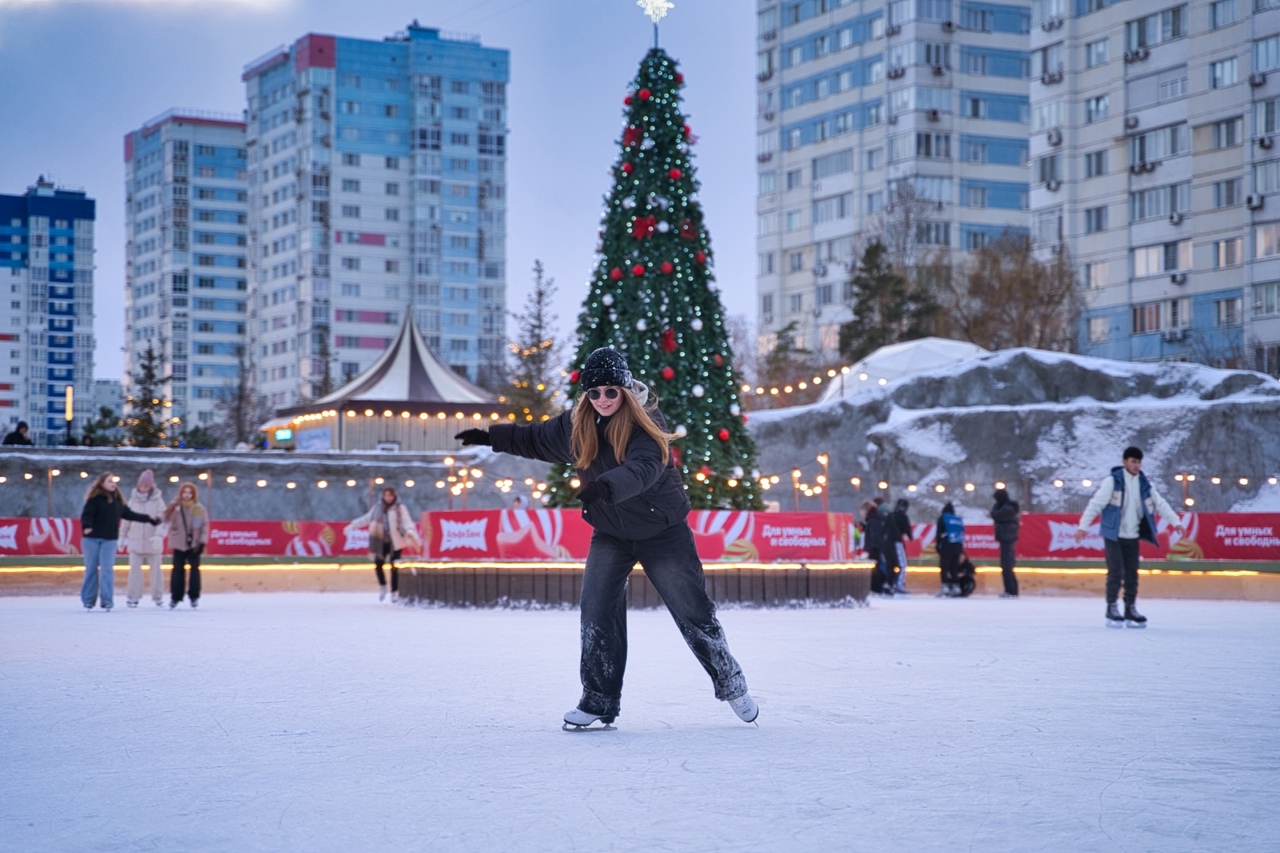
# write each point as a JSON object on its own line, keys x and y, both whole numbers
{"x": 241, "y": 409}
{"x": 904, "y": 226}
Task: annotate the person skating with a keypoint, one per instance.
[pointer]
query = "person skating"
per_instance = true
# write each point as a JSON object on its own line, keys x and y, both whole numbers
{"x": 633, "y": 498}
{"x": 1007, "y": 518}
{"x": 145, "y": 541}
{"x": 188, "y": 536}
{"x": 104, "y": 506}
{"x": 950, "y": 544}
{"x": 391, "y": 531}
{"x": 1128, "y": 504}
{"x": 873, "y": 523}
{"x": 897, "y": 530}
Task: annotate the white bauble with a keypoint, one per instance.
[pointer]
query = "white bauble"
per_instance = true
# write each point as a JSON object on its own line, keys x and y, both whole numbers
{"x": 698, "y": 390}
{"x": 663, "y": 227}
{"x": 628, "y": 202}
{"x": 735, "y": 410}
{"x": 607, "y": 299}
{"x": 641, "y": 325}
{"x": 737, "y": 471}
{"x": 681, "y": 431}
{"x": 696, "y": 324}
{"x": 647, "y": 144}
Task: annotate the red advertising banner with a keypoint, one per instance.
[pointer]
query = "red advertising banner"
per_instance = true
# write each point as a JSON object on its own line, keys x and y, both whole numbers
{"x": 721, "y": 535}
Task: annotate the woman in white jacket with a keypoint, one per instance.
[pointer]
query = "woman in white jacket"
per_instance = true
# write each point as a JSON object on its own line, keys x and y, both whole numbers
{"x": 391, "y": 530}
{"x": 146, "y": 541}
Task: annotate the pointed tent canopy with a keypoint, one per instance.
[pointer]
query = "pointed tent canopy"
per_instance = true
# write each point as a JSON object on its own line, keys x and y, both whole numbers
{"x": 408, "y": 398}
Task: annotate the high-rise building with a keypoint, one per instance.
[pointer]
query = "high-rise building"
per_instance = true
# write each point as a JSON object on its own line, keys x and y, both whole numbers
{"x": 46, "y": 342}
{"x": 377, "y": 184}
{"x": 1155, "y": 165}
{"x": 866, "y": 110}
{"x": 186, "y": 273}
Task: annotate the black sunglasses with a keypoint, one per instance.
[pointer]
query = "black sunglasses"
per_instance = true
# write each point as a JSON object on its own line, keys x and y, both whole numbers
{"x": 611, "y": 393}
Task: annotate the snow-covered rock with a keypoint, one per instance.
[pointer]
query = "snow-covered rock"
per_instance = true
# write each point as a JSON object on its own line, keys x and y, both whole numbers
{"x": 1029, "y": 418}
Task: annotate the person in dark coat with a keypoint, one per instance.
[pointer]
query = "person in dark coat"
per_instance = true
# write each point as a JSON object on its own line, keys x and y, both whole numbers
{"x": 104, "y": 506}
{"x": 896, "y": 531}
{"x": 1007, "y": 518}
{"x": 633, "y": 497}
{"x": 873, "y": 524}
{"x": 19, "y": 436}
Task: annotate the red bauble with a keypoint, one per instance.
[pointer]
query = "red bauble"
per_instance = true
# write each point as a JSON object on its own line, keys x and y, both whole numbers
{"x": 679, "y": 77}
{"x": 675, "y": 174}
{"x": 687, "y": 231}
{"x": 667, "y": 267}
{"x": 705, "y": 470}
{"x": 700, "y": 257}
{"x": 669, "y": 340}
{"x": 626, "y": 168}
{"x": 644, "y": 94}
{"x": 668, "y": 374}
{"x": 615, "y": 273}
{"x": 627, "y": 100}
{"x": 643, "y": 226}
{"x": 573, "y": 377}
{"x": 688, "y": 131}
{"x": 723, "y": 434}
{"x": 718, "y": 359}
{"x": 638, "y": 269}
{"x": 744, "y": 419}
{"x": 675, "y": 455}
{"x": 631, "y": 135}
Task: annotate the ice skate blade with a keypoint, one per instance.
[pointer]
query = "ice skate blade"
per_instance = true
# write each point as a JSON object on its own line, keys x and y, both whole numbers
{"x": 1137, "y": 625}
{"x": 590, "y": 727}
{"x": 1114, "y": 624}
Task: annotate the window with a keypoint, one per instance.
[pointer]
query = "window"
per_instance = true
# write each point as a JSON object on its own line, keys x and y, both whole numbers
{"x": 933, "y": 233}
{"x": 1221, "y": 13}
{"x": 1095, "y": 275}
{"x": 1095, "y": 53}
{"x": 1228, "y": 193}
{"x": 1266, "y": 240}
{"x": 1266, "y": 54}
{"x": 1048, "y": 168}
{"x": 795, "y": 303}
{"x": 351, "y": 159}
{"x": 393, "y": 162}
{"x": 350, "y": 186}
{"x": 1161, "y": 258}
{"x": 1095, "y": 109}
{"x": 875, "y": 158}
{"x": 1225, "y": 72}
{"x": 795, "y": 178}
{"x": 1228, "y": 253}
{"x": 768, "y": 182}
{"x": 767, "y": 263}
{"x": 351, "y": 263}
{"x": 794, "y": 220}
{"x": 1167, "y": 314}
{"x": 1095, "y": 164}
{"x": 766, "y": 305}
{"x": 1228, "y": 133}
{"x": 1155, "y": 29}
{"x": 1228, "y": 312}
{"x": 1095, "y": 220}
{"x": 351, "y": 211}
{"x": 1099, "y": 329}
{"x": 1046, "y": 60}
{"x": 1159, "y": 201}
{"x": 1266, "y": 298}
{"x": 795, "y": 261}
{"x": 832, "y": 164}
{"x": 1159, "y": 144}
{"x": 833, "y": 208}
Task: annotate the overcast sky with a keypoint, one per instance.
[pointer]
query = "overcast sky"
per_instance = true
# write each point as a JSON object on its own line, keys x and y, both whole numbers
{"x": 77, "y": 76}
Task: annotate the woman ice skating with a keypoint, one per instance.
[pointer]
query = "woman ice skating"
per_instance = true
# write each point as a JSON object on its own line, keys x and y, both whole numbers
{"x": 632, "y": 496}
{"x": 104, "y": 506}
{"x": 391, "y": 531}
{"x": 145, "y": 541}
{"x": 950, "y": 542}
{"x": 188, "y": 535}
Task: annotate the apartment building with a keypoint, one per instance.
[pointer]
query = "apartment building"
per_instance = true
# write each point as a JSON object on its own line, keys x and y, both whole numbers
{"x": 377, "y": 185}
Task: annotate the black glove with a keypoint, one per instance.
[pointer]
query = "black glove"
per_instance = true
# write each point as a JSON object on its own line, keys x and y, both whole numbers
{"x": 155, "y": 520}
{"x": 474, "y": 436}
{"x": 595, "y": 491}
{"x": 199, "y": 550}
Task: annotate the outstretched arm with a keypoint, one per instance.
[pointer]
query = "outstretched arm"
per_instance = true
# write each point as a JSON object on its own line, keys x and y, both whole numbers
{"x": 548, "y": 441}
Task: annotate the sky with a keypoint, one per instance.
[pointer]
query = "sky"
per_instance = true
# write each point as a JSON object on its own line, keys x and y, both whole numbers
{"x": 80, "y": 75}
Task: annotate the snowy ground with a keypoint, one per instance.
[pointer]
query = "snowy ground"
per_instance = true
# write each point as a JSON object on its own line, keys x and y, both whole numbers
{"x": 313, "y": 722}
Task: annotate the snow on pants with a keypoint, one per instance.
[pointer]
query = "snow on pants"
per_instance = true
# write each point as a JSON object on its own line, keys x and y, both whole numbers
{"x": 178, "y": 585}
{"x": 1122, "y": 569}
{"x": 133, "y": 591}
{"x": 671, "y": 564}
{"x": 99, "y": 571}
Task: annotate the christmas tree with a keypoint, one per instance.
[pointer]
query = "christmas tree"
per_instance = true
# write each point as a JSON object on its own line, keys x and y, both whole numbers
{"x": 651, "y": 297}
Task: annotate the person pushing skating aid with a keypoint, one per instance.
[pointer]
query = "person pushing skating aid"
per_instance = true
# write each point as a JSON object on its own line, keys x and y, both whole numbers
{"x": 633, "y": 498}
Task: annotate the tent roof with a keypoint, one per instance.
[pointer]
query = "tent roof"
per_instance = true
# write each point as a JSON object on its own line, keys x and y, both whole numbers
{"x": 407, "y": 372}
{"x": 898, "y": 360}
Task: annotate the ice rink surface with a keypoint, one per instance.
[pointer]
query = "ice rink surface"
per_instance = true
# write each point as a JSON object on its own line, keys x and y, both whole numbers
{"x": 329, "y": 722}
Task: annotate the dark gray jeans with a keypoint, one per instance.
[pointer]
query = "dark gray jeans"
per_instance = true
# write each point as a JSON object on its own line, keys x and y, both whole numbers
{"x": 1122, "y": 568}
{"x": 671, "y": 564}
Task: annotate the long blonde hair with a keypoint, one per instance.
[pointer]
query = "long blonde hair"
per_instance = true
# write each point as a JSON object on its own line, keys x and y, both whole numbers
{"x": 99, "y": 489}
{"x": 630, "y": 414}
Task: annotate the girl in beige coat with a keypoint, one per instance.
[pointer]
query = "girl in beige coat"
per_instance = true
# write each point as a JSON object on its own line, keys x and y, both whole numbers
{"x": 188, "y": 534}
{"x": 391, "y": 530}
{"x": 146, "y": 541}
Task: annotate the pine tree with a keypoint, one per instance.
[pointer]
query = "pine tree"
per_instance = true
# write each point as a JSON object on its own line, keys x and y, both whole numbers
{"x": 148, "y": 421}
{"x": 651, "y": 297}
{"x": 886, "y": 308}
{"x": 537, "y": 366}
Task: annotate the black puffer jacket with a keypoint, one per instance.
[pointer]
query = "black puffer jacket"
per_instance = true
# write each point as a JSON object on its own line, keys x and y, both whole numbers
{"x": 101, "y": 516}
{"x": 873, "y": 530}
{"x": 645, "y": 497}
{"x": 1006, "y": 517}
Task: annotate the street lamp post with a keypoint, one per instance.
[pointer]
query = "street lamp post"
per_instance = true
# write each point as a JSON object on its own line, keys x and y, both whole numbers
{"x": 823, "y": 459}
{"x": 69, "y": 412}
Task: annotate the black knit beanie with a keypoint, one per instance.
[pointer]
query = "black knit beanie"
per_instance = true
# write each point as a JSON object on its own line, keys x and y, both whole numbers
{"x": 605, "y": 366}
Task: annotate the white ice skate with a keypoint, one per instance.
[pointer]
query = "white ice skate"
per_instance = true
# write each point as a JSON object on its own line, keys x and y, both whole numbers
{"x": 579, "y": 720}
{"x": 745, "y": 707}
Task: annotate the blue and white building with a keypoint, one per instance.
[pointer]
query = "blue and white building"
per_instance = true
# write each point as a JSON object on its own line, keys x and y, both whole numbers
{"x": 1157, "y": 149}
{"x": 186, "y": 274}
{"x": 857, "y": 99}
{"x": 46, "y": 338}
{"x": 377, "y": 185}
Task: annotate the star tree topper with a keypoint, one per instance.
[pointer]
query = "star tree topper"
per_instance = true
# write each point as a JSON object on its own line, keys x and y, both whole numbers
{"x": 656, "y": 9}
